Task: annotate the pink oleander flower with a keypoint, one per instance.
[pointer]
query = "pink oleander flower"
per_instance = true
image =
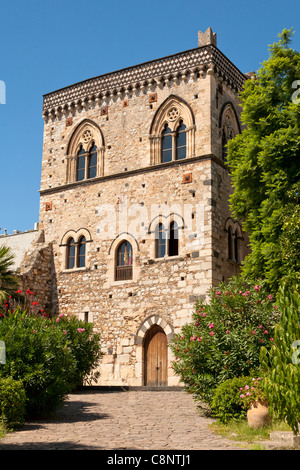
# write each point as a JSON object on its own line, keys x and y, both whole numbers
{"x": 242, "y": 396}
{"x": 211, "y": 333}
{"x": 204, "y": 314}
{"x": 57, "y": 320}
{"x": 199, "y": 339}
{"x": 218, "y": 292}
{"x": 61, "y": 315}
{"x": 64, "y": 331}
{"x": 211, "y": 325}
{"x": 265, "y": 332}
{"x": 271, "y": 339}
{"x": 227, "y": 331}
{"x": 246, "y": 387}
{"x": 257, "y": 288}
{"x": 269, "y": 297}
{"x": 248, "y": 394}
{"x": 253, "y": 332}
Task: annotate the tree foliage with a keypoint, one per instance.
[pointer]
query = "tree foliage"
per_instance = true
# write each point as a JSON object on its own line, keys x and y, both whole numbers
{"x": 281, "y": 364}
{"x": 8, "y": 281}
{"x": 265, "y": 163}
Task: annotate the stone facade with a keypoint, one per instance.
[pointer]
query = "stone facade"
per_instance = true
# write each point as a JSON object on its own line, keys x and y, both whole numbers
{"x": 128, "y": 190}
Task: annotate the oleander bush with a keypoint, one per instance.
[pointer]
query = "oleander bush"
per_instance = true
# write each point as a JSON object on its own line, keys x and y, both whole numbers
{"x": 225, "y": 336}
{"x": 12, "y": 402}
{"x": 51, "y": 356}
{"x": 227, "y": 403}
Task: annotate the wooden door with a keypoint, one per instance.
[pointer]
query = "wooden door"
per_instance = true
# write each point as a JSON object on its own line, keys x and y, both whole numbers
{"x": 156, "y": 357}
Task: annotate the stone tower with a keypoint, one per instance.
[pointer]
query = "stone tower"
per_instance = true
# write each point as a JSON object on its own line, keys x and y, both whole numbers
{"x": 134, "y": 202}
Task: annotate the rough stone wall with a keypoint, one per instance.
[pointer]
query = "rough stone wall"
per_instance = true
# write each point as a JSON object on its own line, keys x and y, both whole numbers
{"x": 36, "y": 272}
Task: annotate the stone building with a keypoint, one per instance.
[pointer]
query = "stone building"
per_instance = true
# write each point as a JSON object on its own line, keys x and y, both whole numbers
{"x": 134, "y": 202}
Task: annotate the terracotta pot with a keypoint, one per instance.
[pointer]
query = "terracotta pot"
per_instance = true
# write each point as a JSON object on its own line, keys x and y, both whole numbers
{"x": 258, "y": 415}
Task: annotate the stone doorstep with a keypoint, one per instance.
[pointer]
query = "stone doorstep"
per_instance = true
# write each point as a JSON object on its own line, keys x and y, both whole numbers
{"x": 282, "y": 440}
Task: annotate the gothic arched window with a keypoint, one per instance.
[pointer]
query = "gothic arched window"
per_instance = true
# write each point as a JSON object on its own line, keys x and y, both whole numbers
{"x": 124, "y": 261}
{"x": 172, "y": 132}
{"x": 85, "y": 153}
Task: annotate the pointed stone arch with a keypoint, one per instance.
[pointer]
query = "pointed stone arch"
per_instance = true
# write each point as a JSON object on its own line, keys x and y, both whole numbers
{"x": 171, "y": 113}
{"x": 84, "y": 135}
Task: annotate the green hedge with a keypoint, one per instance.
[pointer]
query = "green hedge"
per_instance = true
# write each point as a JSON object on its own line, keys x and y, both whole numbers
{"x": 12, "y": 402}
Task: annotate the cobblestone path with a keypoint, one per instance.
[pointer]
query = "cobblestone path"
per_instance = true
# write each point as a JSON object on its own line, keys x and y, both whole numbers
{"x": 129, "y": 420}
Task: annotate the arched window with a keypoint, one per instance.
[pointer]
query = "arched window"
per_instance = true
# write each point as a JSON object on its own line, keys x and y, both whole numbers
{"x": 85, "y": 152}
{"x": 160, "y": 240}
{"x": 92, "y": 162}
{"x": 224, "y": 149}
{"x": 181, "y": 141}
{"x": 236, "y": 246}
{"x": 166, "y": 145}
{"x": 124, "y": 262}
{"x": 81, "y": 164}
{"x": 173, "y": 240}
{"x": 71, "y": 248}
{"x": 81, "y": 253}
{"x": 172, "y": 132}
{"x": 229, "y": 243}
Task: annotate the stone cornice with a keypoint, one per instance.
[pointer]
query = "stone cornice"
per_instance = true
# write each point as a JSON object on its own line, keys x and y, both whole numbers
{"x": 194, "y": 62}
{"x": 130, "y": 173}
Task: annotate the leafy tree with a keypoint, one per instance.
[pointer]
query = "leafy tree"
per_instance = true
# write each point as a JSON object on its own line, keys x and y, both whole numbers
{"x": 8, "y": 281}
{"x": 265, "y": 163}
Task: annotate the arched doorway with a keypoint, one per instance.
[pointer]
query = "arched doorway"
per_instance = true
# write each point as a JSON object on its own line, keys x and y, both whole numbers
{"x": 156, "y": 357}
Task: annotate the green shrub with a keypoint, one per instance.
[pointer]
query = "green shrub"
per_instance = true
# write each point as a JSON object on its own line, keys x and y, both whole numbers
{"x": 225, "y": 337}
{"x": 12, "y": 402}
{"x": 50, "y": 357}
{"x": 227, "y": 403}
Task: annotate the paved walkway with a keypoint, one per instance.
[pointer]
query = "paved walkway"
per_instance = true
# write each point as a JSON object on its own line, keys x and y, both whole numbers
{"x": 129, "y": 420}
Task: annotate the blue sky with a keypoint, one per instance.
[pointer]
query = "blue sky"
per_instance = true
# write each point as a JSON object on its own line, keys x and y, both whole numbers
{"x": 49, "y": 44}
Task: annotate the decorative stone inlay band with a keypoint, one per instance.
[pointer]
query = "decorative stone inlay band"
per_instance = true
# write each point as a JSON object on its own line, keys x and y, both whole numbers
{"x": 205, "y": 59}
{"x": 150, "y": 321}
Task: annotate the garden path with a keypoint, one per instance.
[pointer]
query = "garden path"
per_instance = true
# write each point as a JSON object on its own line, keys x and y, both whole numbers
{"x": 123, "y": 420}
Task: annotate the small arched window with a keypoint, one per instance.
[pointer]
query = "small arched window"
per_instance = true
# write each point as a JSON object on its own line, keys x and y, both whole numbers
{"x": 173, "y": 240}
{"x": 181, "y": 141}
{"x": 71, "y": 248}
{"x": 80, "y": 164}
{"x": 92, "y": 162}
{"x": 229, "y": 243}
{"x": 124, "y": 262}
{"x": 166, "y": 145}
{"x": 81, "y": 252}
{"x": 160, "y": 240}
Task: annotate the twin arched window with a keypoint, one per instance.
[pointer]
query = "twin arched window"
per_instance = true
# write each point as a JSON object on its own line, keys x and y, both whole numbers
{"x": 76, "y": 253}
{"x": 86, "y": 163}
{"x": 173, "y": 145}
{"x": 166, "y": 241}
